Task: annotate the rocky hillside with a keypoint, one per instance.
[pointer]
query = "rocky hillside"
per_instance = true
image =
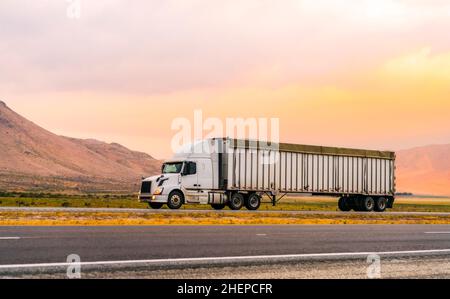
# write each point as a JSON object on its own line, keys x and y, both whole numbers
{"x": 33, "y": 158}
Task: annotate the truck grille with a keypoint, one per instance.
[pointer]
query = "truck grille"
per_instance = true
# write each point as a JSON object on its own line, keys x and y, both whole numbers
{"x": 146, "y": 187}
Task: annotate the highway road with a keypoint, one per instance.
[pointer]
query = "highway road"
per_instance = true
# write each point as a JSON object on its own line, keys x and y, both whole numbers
{"x": 28, "y": 245}
{"x": 28, "y": 248}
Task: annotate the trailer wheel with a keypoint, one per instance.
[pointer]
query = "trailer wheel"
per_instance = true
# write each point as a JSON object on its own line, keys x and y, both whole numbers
{"x": 236, "y": 202}
{"x": 218, "y": 206}
{"x": 368, "y": 204}
{"x": 380, "y": 204}
{"x": 155, "y": 205}
{"x": 175, "y": 201}
{"x": 253, "y": 202}
{"x": 343, "y": 204}
{"x": 357, "y": 204}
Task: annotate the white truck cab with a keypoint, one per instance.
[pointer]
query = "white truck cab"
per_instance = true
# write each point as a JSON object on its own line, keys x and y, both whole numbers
{"x": 189, "y": 177}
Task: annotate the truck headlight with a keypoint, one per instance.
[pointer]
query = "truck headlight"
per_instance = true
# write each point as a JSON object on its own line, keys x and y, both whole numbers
{"x": 158, "y": 191}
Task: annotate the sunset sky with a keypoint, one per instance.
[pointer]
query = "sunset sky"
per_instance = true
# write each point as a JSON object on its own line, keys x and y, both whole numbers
{"x": 369, "y": 74}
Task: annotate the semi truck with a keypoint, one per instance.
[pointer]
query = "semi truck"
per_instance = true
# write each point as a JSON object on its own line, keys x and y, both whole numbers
{"x": 239, "y": 173}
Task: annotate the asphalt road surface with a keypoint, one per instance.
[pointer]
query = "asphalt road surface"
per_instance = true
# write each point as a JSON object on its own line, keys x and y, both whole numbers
{"x": 24, "y": 247}
{"x": 20, "y": 245}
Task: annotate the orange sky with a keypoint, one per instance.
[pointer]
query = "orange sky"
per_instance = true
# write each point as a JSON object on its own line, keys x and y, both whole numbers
{"x": 373, "y": 74}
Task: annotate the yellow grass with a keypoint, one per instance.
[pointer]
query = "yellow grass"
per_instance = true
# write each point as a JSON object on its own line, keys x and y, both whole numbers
{"x": 12, "y": 218}
{"x": 423, "y": 200}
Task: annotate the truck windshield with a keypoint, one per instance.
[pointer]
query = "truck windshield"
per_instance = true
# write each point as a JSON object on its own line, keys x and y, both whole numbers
{"x": 172, "y": 167}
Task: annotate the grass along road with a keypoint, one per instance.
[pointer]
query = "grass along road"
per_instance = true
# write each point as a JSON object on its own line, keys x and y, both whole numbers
{"x": 86, "y": 218}
{"x": 402, "y": 204}
{"x": 268, "y": 214}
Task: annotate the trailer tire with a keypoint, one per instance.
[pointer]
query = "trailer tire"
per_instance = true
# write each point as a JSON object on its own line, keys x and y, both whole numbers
{"x": 253, "y": 202}
{"x": 218, "y": 206}
{"x": 380, "y": 204}
{"x": 176, "y": 200}
{"x": 368, "y": 204}
{"x": 357, "y": 204}
{"x": 237, "y": 201}
{"x": 155, "y": 205}
{"x": 344, "y": 204}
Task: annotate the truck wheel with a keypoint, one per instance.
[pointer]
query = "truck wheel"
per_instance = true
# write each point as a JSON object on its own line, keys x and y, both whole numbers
{"x": 253, "y": 202}
{"x": 357, "y": 206}
{"x": 343, "y": 204}
{"x": 236, "y": 202}
{"x": 380, "y": 204}
{"x": 155, "y": 205}
{"x": 357, "y": 203}
{"x": 368, "y": 204}
{"x": 217, "y": 206}
{"x": 175, "y": 200}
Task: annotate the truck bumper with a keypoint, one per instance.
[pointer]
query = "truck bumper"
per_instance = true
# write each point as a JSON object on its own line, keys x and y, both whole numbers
{"x": 153, "y": 198}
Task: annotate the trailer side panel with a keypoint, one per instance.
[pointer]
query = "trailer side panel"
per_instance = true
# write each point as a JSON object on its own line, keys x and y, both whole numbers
{"x": 339, "y": 172}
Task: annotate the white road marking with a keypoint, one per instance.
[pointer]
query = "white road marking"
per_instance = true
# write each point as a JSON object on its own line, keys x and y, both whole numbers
{"x": 9, "y": 238}
{"x": 261, "y": 235}
{"x": 437, "y": 232}
{"x": 228, "y": 258}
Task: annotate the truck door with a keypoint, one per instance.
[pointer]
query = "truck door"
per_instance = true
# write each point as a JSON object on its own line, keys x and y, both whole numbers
{"x": 189, "y": 180}
{"x": 205, "y": 174}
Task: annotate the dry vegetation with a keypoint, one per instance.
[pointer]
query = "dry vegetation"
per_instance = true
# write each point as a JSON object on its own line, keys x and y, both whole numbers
{"x": 402, "y": 204}
{"x": 274, "y": 215}
{"x": 210, "y": 218}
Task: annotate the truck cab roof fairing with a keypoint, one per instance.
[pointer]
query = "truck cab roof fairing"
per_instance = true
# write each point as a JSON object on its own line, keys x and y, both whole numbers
{"x": 197, "y": 149}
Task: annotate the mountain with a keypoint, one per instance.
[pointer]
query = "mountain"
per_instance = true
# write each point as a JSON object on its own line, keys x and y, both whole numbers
{"x": 424, "y": 170}
{"x": 34, "y": 159}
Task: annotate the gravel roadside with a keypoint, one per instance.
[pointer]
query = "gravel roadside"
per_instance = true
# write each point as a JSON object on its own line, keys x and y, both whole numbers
{"x": 430, "y": 267}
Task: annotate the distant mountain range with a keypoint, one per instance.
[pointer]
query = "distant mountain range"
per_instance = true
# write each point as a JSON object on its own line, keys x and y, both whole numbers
{"x": 424, "y": 170}
{"x": 34, "y": 159}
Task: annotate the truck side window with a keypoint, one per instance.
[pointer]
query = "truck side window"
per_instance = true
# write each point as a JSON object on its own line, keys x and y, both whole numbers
{"x": 192, "y": 168}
